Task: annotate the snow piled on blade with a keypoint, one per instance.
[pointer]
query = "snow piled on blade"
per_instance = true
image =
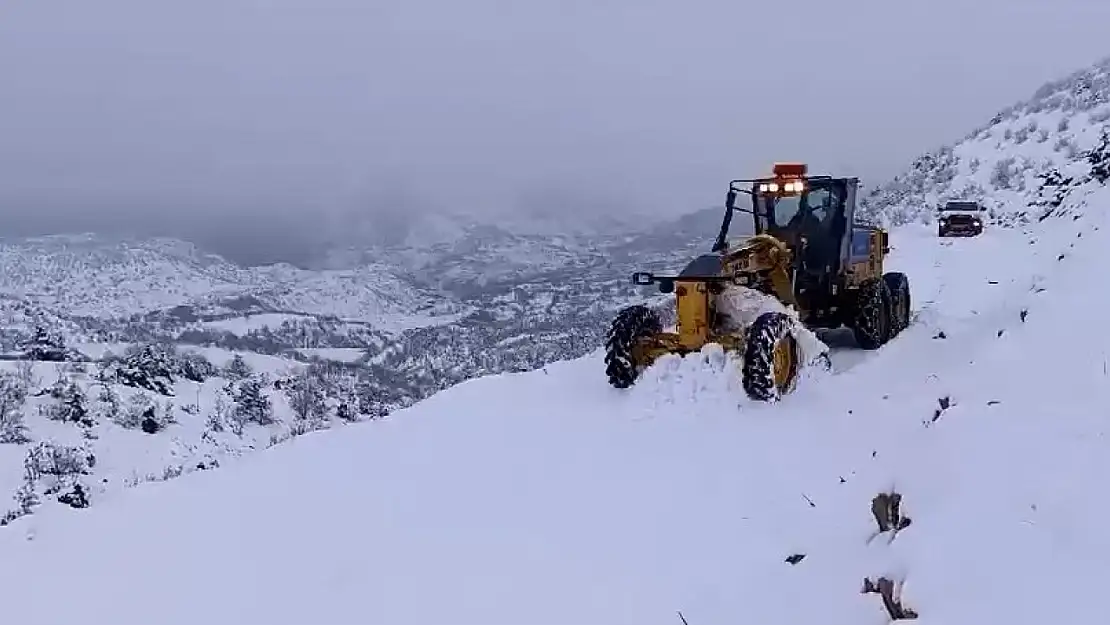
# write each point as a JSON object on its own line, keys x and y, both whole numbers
{"x": 745, "y": 305}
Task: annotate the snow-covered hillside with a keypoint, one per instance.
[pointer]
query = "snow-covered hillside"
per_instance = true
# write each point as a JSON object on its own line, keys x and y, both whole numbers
{"x": 72, "y": 433}
{"x": 549, "y": 497}
{"x": 1001, "y": 162}
{"x": 94, "y": 276}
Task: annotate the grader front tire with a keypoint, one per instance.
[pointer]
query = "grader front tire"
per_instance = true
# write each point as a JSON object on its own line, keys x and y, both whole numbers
{"x": 630, "y": 324}
{"x": 771, "y": 357}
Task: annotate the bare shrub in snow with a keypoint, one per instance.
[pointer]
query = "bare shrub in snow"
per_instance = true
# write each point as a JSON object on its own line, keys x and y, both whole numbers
{"x": 69, "y": 405}
{"x": 56, "y": 469}
{"x": 142, "y": 412}
{"x": 25, "y": 372}
{"x": 307, "y": 398}
{"x": 1003, "y": 176}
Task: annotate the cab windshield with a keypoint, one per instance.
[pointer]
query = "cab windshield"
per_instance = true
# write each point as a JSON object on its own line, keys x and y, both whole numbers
{"x": 815, "y": 206}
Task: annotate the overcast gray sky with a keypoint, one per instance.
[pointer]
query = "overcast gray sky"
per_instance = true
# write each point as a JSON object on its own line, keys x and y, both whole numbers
{"x": 304, "y": 108}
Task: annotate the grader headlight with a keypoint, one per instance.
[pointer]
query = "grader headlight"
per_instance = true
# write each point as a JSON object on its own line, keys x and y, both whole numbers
{"x": 785, "y": 187}
{"x": 789, "y": 179}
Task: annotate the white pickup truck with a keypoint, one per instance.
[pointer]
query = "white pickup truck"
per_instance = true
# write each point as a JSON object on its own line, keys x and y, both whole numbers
{"x": 959, "y": 218}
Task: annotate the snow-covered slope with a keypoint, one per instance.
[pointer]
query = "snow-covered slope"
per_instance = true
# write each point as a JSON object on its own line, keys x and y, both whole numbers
{"x": 548, "y": 497}
{"x": 1000, "y": 161}
{"x": 74, "y": 433}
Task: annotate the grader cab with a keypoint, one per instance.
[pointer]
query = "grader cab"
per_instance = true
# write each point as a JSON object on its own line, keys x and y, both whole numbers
{"x": 810, "y": 264}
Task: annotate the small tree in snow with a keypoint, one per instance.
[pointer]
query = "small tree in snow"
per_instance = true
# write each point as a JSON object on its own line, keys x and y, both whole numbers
{"x": 237, "y": 369}
{"x": 251, "y": 403}
{"x": 1099, "y": 159}
{"x": 45, "y": 344}
{"x": 13, "y": 397}
{"x": 1054, "y": 189}
{"x": 347, "y": 408}
{"x": 195, "y": 367}
{"x": 107, "y": 404}
{"x": 367, "y": 399}
{"x": 346, "y": 411}
{"x": 150, "y": 367}
{"x": 221, "y": 416}
{"x": 25, "y": 501}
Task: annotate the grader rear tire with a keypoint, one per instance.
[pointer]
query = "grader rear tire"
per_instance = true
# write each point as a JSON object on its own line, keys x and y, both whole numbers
{"x": 871, "y": 324}
{"x": 631, "y": 323}
{"x": 771, "y": 357}
{"x": 899, "y": 286}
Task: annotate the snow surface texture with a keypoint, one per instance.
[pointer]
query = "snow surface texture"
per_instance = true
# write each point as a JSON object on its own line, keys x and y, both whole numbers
{"x": 549, "y": 497}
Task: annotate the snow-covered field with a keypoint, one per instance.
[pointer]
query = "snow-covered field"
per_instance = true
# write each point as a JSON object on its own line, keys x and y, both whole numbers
{"x": 240, "y": 326}
{"x": 549, "y": 497}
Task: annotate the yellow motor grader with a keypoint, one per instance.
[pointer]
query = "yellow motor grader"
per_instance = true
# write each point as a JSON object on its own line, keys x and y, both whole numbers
{"x": 808, "y": 252}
